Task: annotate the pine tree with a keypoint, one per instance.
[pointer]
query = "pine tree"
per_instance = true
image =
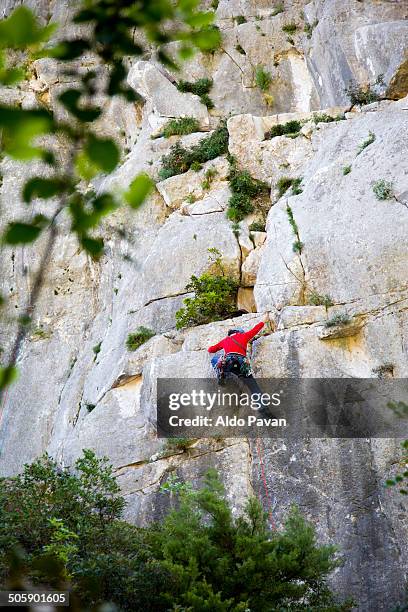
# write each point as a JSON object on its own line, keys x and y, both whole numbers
{"x": 200, "y": 558}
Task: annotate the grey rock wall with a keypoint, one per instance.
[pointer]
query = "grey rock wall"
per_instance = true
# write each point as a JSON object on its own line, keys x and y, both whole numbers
{"x": 70, "y": 396}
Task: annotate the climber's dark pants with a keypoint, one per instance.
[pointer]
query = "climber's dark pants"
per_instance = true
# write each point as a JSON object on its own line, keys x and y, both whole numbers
{"x": 251, "y": 383}
{"x": 237, "y": 364}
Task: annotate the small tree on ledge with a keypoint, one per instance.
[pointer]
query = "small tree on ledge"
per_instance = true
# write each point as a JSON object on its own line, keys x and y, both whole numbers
{"x": 215, "y": 296}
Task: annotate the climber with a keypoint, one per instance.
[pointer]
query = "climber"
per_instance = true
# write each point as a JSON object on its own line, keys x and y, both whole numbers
{"x": 235, "y": 360}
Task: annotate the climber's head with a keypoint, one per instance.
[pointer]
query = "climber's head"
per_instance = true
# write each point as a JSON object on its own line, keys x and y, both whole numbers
{"x": 239, "y": 330}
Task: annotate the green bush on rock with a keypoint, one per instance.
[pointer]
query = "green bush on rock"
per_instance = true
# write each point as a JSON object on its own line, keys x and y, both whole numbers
{"x": 246, "y": 193}
{"x": 139, "y": 337}
{"x": 200, "y": 88}
{"x": 180, "y": 127}
{"x": 383, "y": 190}
{"x": 214, "y": 299}
{"x": 180, "y": 159}
{"x": 338, "y": 319}
{"x": 263, "y": 79}
{"x": 284, "y": 129}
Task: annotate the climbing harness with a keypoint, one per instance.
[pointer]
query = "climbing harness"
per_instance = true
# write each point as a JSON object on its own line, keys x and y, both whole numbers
{"x": 234, "y": 363}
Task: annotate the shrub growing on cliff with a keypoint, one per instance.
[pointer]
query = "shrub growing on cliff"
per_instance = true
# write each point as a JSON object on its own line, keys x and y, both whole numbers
{"x": 209, "y": 176}
{"x": 285, "y": 182}
{"x": 284, "y": 129}
{"x": 257, "y": 226}
{"x": 180, "y": 160}
{"x": 246, "y": 191}
{"x": 363, "y": 94}
{"x": 297, "y": 246}
{"x": 289, "y": 28}
{"x": 139, "y": 337}
{"x": 215, "y": 295}
{"x": 366, "y": 143}
{"x": 179, "y": 127}
{"x": 325, "y": 118}
{"x": 262, "y": 78}
{"x": 317, "y": 299}
{"x": 200, "y": 88}
{"x": 383, "y": 190}
{"x": 338, "y": 319}
{"x": 240, "y": 19}
{"x": 199, "y": 557}
{"x": 214, "y": 299}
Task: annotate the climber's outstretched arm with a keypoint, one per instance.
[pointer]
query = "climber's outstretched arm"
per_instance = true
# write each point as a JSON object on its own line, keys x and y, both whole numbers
{"x": 215, "y": 348}
{"x": 252, "y": 332}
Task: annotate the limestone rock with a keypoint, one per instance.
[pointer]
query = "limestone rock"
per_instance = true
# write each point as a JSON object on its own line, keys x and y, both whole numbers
{"x": 246, "y": 299}
{"x": 166, "y": 100}
{"x": 178, "y": 189}
{"x": 354, "y": 49}
{"x": 215, "y": 202}
{"x": 182, "y": 246}
{"x": 363, "y": 236}
{"x": 258, "y": 238}
{"x": 250, "y": 267}
{"x": 80, "y": 387}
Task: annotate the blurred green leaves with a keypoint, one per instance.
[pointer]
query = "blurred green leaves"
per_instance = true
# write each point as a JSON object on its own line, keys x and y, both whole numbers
{"x": 24, "y": 233}
{"x": 66, "y": 50}
{"x": 38, "y": 187}
{"x": 21, "y": 30}
{"x": 138, "y": 191}
{"x": 8, "y": 375}
{"x": 103, "y": 152}
{"x": 9, "y": 76}
{"x": 20, "y": 127}
{"x": 87, "y": 211}
{"x": 71, "y": 99}
{"x": 109, "y": 37}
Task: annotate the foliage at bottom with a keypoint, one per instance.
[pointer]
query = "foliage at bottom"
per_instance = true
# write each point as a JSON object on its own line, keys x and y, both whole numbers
{"x": 63, "y": 528}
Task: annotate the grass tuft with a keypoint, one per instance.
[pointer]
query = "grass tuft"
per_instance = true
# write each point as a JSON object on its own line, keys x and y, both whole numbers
{"x": 285, "y": 182}
{"x": 366, "y": 143}
{"x": 263, "y": 79}
{"x": 180, "y": 127}
{"x": 200, "y": 88}
{"x": 291, "y": 128}
{"x": 179, "y": 159}
{"x": 338, "y": 319}
{"x": 139, "y": 337}
{"x": 289, "y": 28}
{"x": 316, "y": 299}
{"x": 383, "y": 190}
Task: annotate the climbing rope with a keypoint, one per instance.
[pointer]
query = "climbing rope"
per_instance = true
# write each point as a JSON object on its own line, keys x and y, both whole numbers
{"x": 260, "y": 454}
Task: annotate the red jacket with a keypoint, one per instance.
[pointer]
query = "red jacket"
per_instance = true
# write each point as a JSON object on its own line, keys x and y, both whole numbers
{"x": 229, "y": 345}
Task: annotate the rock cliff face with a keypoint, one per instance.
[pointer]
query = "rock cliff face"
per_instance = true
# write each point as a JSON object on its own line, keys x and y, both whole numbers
{"x": 354, "y": 249}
